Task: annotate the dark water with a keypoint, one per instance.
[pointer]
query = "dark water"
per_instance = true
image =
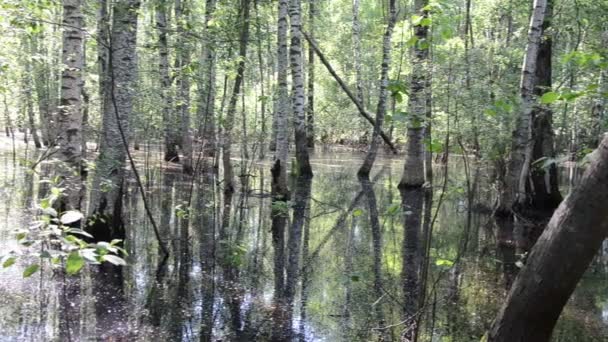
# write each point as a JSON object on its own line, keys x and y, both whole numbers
{"x": 218, "y": 283}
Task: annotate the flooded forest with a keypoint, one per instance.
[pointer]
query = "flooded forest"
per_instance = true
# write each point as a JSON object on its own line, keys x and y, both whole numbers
{"x": 304, "y": 170}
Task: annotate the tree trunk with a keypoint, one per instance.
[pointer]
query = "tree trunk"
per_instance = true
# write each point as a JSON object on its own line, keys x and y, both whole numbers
{"x": 412, "y": 180}
{"x": 310, "y": 106}
{"x": 107, "y": 189}
{"x": 206, "y": 96}
{"x": 105, "y": 209}
{"x": 230, "y": 114}
{"x": 297, "y": 89}
{"x": 542, "y": 194}
{"x": 351, "y": 96}
{"x": 558, "y": 260}
{"x": 170, "y": 125}
{"x": 69, "y": 118}
{"x": 357, "y": 51}
{"x": 521, "y": 149}
{"x": 383, "y": 93}
{"x": 29, "y": 105}
{"x": 279, "y": 188}
{"x": 182, "y": 16}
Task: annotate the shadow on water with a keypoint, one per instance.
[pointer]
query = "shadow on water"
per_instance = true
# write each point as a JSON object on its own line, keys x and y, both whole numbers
{"x": 342, "y": 259}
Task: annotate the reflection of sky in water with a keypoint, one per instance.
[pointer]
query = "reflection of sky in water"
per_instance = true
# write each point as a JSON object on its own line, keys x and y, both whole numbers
{"x": 334, "y": 187}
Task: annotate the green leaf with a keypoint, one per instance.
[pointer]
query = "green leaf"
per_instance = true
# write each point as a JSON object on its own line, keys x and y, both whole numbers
{"x": 9, "y": 262}
{"x": 412, "y": 41}
{"x": 71, "y": 216}
{"x": 114, "y": 260}
{"x": 31, "y": 269}
{"x": 444, "y": 262}
{"x": 357, "y": 212}
{"x": 74, "y": 263}
{"x": 549, "y": 97}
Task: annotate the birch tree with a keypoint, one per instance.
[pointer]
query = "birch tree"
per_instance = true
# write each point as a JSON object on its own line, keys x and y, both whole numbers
{"x": 521, "y": 148}
{"x": 297, "y": 88}
{"x": 69, "y": 118}
{"x": 383, "y": 92}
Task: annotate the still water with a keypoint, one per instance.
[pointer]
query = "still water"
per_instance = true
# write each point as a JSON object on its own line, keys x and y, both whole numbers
{"x": 218, "y": 283}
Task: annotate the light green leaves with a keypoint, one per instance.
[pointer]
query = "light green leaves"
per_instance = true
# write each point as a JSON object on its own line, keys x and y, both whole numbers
{"x": 549, "y": 97}
{"x": 357, "y": 212}
{"x": 74, "y": 263}
{"x": 444, "y": 262}
{"x": 31, "y": 269}
{"x": 8, "y": 261}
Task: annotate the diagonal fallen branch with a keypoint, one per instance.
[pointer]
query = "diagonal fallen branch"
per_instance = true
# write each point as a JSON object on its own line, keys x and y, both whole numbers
{"x": 367, "y": 115}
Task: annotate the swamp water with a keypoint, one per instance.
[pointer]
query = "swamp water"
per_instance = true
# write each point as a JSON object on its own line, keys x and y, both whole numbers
{"x": 217, "y": 285}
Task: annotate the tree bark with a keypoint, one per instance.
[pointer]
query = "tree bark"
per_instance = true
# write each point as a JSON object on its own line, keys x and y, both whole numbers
{"x": 370, "y": 157}
{"x": 69, "y": 118}
{"x": 297, "y": 88}
{"x": 107, "y": 188}
{"x": 521, "y": 149}
{"x": 310, "y": 106}
{"x": 542, "y": 194}
{"x": 559, "y": 259}
{"x": 182, "y": 16}
{"x": 413, "y": 178}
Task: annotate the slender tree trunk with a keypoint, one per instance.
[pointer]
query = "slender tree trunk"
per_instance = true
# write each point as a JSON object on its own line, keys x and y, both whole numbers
{"x": 103, "y": 44}
{"x": 264, "y": 99}
{"x": 279, "y": 188}
{"x": 559, "y": 259}
{"x": 310, "y": 106}
{"x": 229, "y": 186}
{"x": 41, "y": 72}
{"x": 349, "y": 93}
{"x": 29, "y": 105}
{"x": 169, "y": 118}
{"x": 69, "y": 118}
{"x": 383, "y": 93}
{"x": 206, "y": 95}
{"x": 357, "y": 51}
{"x": 182, "y": 16}
{"x": 297, "y": 89}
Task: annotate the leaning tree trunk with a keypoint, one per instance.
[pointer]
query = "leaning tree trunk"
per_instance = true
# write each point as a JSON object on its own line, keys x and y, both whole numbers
{"x": 521, "y": 149}
{"x": 383, "y": 93}
{"x": 206, "y": 95}
{"x": 69, "y": 118}
{"x": 559, "y": 259}
{"x": 297, "y": 84}
{"x": 169, "y": 119}
{"x": 412, "y": 180}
